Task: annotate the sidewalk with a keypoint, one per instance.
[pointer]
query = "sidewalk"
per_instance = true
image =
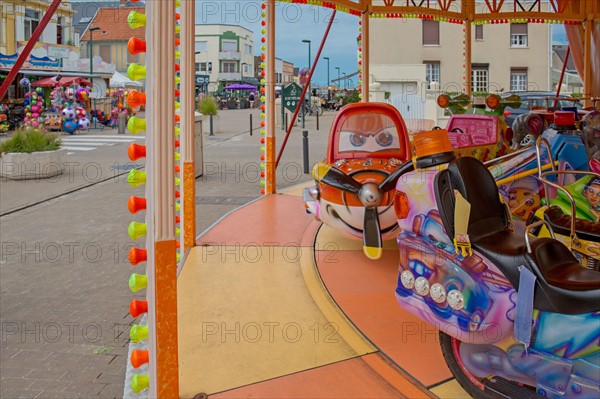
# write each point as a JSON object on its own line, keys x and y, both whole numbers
{"x": 64, "y": 297}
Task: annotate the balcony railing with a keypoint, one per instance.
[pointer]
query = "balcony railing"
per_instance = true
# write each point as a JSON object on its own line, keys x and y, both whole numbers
{"x": 230, "y": 55}
{"x": 230, "y": 76}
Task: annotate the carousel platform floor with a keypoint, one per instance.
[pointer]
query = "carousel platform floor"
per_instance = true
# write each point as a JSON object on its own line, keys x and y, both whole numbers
{"x": 272, "y": 304}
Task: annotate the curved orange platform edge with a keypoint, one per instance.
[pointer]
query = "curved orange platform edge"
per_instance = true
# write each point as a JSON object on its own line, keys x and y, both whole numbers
{"x": 381, "y": 352}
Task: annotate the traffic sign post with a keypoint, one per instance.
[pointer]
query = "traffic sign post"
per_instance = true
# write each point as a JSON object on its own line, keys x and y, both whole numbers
{"x": 291, "y": 96}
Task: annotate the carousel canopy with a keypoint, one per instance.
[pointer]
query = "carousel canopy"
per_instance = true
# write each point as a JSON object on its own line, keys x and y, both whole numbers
{"x": 64, "y": 81}
{"x": 120, "y": 80}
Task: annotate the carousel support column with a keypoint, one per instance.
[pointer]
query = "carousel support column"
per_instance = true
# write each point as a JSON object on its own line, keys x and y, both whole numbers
{"x": 587, "y": 61}
{"x": 162, "y": 267}
{"x": 271, "y": 186}
{"x": 468, "y": 58}
{"x": 365, "y": 56}
{"x": 188, "y": 123}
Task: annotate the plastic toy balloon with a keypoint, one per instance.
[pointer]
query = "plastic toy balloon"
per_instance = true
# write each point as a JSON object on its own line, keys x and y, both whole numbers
{"x": 84, "y": 123}
{"x": 69, "y": 113}
{"x": 24, "y": 82}
{"x": 28, "y": 114}
{"x": 69, "y": 94}
{"x": 35, "y": 115}
{"x": 26, "y": 119}
{"x": 27, "y": 95}
{"x": 69, "y": 127}
{"x": 80, "y": 112}
{"x": 35, "y": 123}
{"x": 28, "y": 107}
{"x": 39, "y": 89}
{"x": 83, "y": 94}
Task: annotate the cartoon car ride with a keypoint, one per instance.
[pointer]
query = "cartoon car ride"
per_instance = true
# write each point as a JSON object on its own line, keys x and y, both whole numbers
{"x": 368, "y": 150}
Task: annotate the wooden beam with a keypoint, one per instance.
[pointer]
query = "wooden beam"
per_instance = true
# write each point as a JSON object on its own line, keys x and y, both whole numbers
{"x": 365, "y": 56}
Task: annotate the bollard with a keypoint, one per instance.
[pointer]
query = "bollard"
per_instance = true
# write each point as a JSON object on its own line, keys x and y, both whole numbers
{"x": 286, "y": 121}
{"x": 251, "y": 125}
{"x": 305, "y": 151}
{"x": 211, "y": 126}
{"x": 317, "y": 119}
{"x": 303, "y": 114}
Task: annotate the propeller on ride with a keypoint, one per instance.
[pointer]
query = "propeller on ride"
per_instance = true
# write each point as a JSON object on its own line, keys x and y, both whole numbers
{"x": 370, "y": 195}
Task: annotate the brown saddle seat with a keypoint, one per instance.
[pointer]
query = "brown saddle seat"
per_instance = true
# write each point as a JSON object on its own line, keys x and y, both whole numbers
{"x": 557, "y": 266}
{"x": 561, "y": 224}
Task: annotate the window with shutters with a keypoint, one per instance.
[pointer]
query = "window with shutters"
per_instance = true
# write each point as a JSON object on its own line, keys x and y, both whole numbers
{"x": 432, "y": 72}
{"x": 478, "y": 32}
{"x": 32, "y": 20}
{"x": 518, "y": 35}
{"x": 229, "y": 67}
{"x": 431, "y": 33}
{"x": 229, "y": 45}
{"x": 479, "y": 79}
{"x": 518, "y": 79}
{"x": 105, "y": 53}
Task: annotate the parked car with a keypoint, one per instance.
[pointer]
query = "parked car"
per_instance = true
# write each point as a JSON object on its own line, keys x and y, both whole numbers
{"x": 530, "y": 99}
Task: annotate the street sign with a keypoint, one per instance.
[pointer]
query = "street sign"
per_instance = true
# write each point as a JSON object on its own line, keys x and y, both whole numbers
{"x": 202, "y": 80}
{"x": 291, "y": 96}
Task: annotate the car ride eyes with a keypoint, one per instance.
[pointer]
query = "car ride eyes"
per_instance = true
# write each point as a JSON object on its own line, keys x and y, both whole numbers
{"x": 357, "y": 140}
{"x": 383, "y": 139}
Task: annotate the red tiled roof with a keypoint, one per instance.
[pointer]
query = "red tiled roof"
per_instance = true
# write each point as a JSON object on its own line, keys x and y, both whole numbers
{"x": 112, "y": 22}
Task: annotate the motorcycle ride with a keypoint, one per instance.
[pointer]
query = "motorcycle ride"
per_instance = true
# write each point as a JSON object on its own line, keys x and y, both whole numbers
{"x": 519, "y": 317}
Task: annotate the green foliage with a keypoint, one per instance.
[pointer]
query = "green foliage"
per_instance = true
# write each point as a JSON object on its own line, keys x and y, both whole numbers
{"x": 32, "y": 140}
{"x": 577, "y": 95}
{"x": 351, "y": 97}
{"x": 387, "y": 95}
{"x": 208, "y": 106}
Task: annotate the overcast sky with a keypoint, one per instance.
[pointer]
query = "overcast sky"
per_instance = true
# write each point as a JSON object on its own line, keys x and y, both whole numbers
{"x": 294, "y": 24}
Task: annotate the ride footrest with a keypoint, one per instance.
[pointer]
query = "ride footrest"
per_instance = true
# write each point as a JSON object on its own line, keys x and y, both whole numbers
{"x": 504, "y": 389}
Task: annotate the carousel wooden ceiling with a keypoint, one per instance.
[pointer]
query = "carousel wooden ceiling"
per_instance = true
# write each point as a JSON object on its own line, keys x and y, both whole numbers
{"x": 470, "y": 10}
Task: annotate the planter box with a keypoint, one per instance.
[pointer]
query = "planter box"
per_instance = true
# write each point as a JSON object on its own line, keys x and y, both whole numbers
{"x": 232, "y": 105}
{"x": 36, "y": 165}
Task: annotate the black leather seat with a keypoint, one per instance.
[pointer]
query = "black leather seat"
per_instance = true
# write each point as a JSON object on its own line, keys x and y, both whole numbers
{"x": 563, "y": 284}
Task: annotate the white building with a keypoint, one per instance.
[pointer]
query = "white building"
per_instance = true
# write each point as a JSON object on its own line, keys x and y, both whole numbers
{"x": 226, "y": 54}
{"x": 19, "y": 18}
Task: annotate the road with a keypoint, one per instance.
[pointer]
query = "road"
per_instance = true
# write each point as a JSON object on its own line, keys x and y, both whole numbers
{"x": 64, "y": 297}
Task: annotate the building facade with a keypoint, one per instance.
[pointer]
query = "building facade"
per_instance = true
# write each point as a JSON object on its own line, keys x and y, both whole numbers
{"x": 20, "y": 18}
{"x": 109, "y": 41}
{"x": 505, "y": 57}
{"x": 225, "y": 54}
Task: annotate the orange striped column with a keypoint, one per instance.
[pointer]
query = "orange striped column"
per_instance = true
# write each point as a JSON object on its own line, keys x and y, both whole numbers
{"x": 188, "y": 123}
{"x": 162, "y": 259}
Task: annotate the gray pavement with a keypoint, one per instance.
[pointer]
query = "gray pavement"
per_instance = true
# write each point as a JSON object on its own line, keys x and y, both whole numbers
{"x": 64, "y": 296}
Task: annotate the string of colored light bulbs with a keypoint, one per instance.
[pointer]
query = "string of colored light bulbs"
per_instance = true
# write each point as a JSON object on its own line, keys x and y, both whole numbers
{"x": 263, "y": 48}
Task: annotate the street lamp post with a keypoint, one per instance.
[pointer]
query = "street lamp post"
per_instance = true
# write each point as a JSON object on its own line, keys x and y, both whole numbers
{"x": 92, "y": 64}
{"x": 345, "y": 81}
{"x": 309, "y": 66}
{"x": 339, "y": 77}
{"x": 328, "y": 93}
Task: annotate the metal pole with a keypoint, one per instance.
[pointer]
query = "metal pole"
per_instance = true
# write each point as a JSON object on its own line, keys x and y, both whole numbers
{"x": 211, "y": 125}
{"x": 305, "y": 151}
{"x": 286, "y": 121}
{"x": 283, "y": 115}
{"x": 251, "y": 125}
{"x": 92, "y": 58}
{"x": 27, "y": 50}
{"x": 562, "y": 75}
{"x": 317, "y": 120}
{"x": 95, "y": 116}
{"x": 297, "y": 111}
